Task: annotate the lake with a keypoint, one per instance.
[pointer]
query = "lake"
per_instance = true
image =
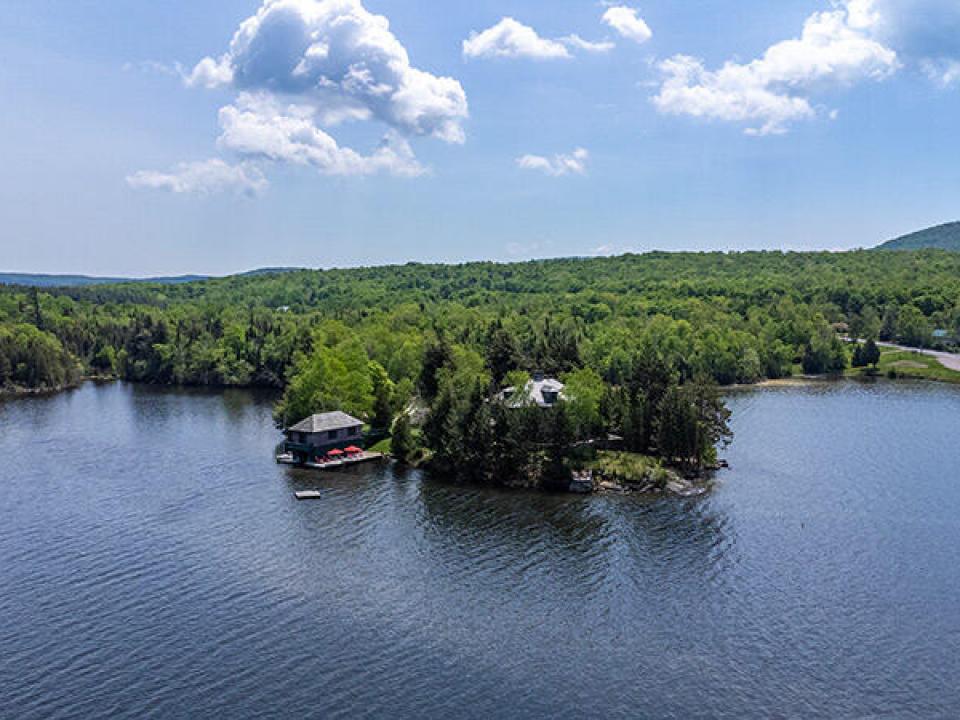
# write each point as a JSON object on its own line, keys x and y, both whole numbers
{"x": 156, "y": 564}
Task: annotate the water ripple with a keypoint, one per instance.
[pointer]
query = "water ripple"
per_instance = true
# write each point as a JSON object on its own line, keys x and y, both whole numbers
{"x": 179, "y": 577}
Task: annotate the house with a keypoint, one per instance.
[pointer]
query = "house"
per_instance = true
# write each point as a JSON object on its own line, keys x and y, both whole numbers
{"x": 940, "y": 334}
{"x": 319, "y": 434}
{"x": 540, "y": 391}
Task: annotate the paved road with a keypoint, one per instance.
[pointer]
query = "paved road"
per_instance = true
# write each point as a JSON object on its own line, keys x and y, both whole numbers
{"x": 948, "y": 360}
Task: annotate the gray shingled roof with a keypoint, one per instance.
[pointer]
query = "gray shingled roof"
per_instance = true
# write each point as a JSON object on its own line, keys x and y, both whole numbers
{"x": 534, "y": 391}
{"x": 325, "y": 422}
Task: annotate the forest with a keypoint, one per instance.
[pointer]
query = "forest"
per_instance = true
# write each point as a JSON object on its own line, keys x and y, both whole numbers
{"x": 639, "y": 331}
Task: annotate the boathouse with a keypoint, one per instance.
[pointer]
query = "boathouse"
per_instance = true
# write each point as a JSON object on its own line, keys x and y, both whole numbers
{"x": 319, "y": 434}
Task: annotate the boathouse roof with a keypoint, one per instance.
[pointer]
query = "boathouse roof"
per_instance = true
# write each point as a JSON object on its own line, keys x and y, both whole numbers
{"x": 325, "y": 422}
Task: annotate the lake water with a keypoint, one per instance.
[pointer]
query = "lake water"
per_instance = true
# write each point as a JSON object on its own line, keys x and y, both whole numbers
{"x": 155, "y": 564}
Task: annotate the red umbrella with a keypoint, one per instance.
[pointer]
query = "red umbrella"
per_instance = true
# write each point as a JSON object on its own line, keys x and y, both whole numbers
{"x": 353, "y": 450}
{"x": 335, "y": 452}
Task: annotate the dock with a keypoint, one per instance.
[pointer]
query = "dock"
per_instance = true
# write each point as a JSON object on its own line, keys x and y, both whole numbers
{"x": 330, "y": 465}
{"x": 308, "y": 495}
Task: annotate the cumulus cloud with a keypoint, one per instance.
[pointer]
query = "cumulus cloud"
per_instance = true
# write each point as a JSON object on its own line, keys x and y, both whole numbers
{"x": 204, "y": 178}
{"x": 300, "y": 67}
{"x": 210, "y": 73}
{"x": 627, "y": 22}
{"x": 574, "y": 163}
{"x": 836, "y": 47}
{"x": 512, "y": 39}
{"x": 342, "y": 59}
{"x": 258, "y": 126}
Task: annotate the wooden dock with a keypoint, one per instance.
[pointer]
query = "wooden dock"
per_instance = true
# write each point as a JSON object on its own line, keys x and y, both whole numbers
{"x": 330, "y": 465}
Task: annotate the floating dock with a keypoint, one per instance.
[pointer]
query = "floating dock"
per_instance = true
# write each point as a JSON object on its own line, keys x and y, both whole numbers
{"x": 309, "y": 495}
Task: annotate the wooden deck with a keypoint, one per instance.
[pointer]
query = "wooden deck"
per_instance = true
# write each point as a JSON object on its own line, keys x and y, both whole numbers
{"x": 345, "y": 462}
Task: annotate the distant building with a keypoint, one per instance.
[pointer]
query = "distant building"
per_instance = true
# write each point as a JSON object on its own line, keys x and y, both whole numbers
{"x": 540, "y": 391}
{"x": 940, "y": 334}
{"x": 319, "y": 434}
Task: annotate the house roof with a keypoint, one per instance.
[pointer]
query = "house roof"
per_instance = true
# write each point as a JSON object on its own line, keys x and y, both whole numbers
{"x": 535, "y": 389}
{"x": 325, "y": 422}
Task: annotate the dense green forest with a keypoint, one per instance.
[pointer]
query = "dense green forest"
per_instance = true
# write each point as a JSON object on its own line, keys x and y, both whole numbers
{"x": 641, "y": 342}
{"x": 735, "y": 318}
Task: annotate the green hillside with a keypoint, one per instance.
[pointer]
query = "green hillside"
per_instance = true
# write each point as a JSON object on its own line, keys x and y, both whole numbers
{"x": 941, "y": 237}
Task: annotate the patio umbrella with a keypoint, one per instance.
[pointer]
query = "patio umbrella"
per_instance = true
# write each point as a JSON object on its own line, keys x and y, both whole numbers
{"x": 335, "y": 452}
{"x": 353, "y": 450}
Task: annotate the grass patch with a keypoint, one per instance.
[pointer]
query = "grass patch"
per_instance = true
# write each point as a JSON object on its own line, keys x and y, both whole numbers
{"x": 631, "y": 469}
{"x": 384, "y": 446}
{"x": 907, "y": 364}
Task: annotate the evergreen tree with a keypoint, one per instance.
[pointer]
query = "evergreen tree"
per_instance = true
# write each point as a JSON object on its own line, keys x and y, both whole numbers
{"x": 383, "y": 400}
{"x": 559, "y": 436}
{"x": 402, "y": 445}
{"x": 859, "y": 359}
{"x": 501, "y": 352}
{"x": 676, "y": 427}
{"x": 438, "y": 429}
{"x": 438, "y": 356}
{"x": 712, "y": 418}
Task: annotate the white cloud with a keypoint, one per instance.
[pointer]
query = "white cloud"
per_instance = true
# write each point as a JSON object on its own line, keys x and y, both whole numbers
{"x": 836, "y": 48}
{"x": 210, "y": 73}
{"x": 258, "y": 126}
{"x": 627, "y": 22}
{"x": 340, "y": 58}
{"x": 512, "y": 39}
{"x": 577, "y": 42}
{"x": 574, "y": 163}
{"x": 299, "y": 66}
{"x": 204, "y": 178}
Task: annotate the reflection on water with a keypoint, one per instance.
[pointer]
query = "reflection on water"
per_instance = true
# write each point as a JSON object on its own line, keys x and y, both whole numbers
{"x": 156, "y": 563}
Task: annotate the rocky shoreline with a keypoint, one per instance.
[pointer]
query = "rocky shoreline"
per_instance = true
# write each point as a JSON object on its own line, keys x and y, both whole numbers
{"x": 653, "y": 480}
{"x": 15, "y": 391}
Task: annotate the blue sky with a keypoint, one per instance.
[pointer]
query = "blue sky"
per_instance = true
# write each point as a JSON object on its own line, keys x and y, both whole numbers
{"x": 705, "y": 124}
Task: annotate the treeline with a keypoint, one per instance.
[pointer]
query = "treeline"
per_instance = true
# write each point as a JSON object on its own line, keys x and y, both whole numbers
{"x": 735, "y": 318}
{"x": 34, "y": 360}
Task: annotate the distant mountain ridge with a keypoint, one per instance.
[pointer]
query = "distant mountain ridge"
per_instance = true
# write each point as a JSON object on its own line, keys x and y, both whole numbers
{"x": 941, "y": 237}
{"x": 43, "y": 280}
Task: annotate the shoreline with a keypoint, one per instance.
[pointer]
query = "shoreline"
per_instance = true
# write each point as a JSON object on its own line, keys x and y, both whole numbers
{"x": 849, "y": 376}
{"x": 17, "y": 391}
{"x": 13, "y": 392}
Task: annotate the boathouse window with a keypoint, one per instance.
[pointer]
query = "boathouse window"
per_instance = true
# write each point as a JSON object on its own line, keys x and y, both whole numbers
{"x": 332, "y": 435}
